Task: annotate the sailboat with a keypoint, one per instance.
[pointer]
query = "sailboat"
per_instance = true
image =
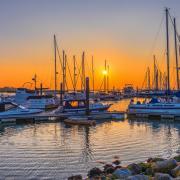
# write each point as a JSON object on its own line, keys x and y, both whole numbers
{"x": 159, "y": 106}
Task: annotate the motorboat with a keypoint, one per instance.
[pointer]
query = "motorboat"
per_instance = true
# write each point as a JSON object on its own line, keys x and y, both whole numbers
{"x": 128, "y": 91}
{"x": 22, "y": 94}
{"x": 110, "y": 96}
{"x": 78, "y": 106}
{"x": 32, "y": 100}
{"x": 13, "y": 110}
{"x": 155, "y": 106}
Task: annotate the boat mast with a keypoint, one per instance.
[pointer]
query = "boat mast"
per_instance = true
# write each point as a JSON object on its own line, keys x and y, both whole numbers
{"x": 93, "y": 72}
{"x": 63, "y": 70}
{"x": 160, "y": 80}
{"x": 176, "y": 54}
{"x": 148, "y": 78}
{"x": 83, "y": 82}
{"x": 108, "y": 78}
{"x": 65, "y": 65}
{"x": 155, "y": 76}
{"x": 55, "y": 67}
{"x": 74, "y": 84}
{"x": 35, "y": 82}
{"x": 167, "y": 53}
{"x": 105, "y": 76}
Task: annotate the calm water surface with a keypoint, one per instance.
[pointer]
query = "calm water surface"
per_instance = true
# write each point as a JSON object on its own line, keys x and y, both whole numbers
{"x": 56, "y": 151}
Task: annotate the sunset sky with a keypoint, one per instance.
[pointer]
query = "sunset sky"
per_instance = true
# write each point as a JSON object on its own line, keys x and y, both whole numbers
{"x": 125, "y": 32}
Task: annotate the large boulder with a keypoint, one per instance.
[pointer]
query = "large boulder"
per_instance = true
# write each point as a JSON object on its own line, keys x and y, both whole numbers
{"x": 164, "y": 166}
{"x": 95, "y": 172}
{"x": 150, "y": 160}
{"x": 122, "y": 173}
{"x": 177, "y": 158}
{"x": 176, "y": 171}
{"x": 162, "y": 176}
{"x": 109, "y": 169}
{"x": 134, "y": 168}
{"x": 116, "y": 162}
{"x": 138, "y": 177}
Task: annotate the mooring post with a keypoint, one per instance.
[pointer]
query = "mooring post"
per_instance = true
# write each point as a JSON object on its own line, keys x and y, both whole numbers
{"x": 41, "y": 87}
{"x": 87, "y": 95}
{"x": 61, "y": 93}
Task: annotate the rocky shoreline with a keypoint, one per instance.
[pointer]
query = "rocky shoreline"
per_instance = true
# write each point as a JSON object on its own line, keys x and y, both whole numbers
{"x": 153, "y": 168}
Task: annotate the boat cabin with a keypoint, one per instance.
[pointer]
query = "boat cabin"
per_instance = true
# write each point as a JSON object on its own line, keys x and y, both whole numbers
{"x": 5, "y": 106}
{"x": 74, "y": 104}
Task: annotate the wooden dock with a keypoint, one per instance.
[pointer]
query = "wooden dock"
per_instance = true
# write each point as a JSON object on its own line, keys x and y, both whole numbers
{"x": 166, "y": 116}
{"x": 55, "y": 117}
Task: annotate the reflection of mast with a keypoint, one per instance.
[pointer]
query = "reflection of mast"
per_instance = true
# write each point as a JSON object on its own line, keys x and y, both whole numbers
{"x": 86, "y": 146}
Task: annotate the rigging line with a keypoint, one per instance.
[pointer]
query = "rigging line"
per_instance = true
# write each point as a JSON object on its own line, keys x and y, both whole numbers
{"x": 157, "y": 35}
{"x": 101, "y": 84}
{"x": 59, "y": 55}
{"x": 70, "y": 73}
{"x": 79, "y": 73}
{"x": 160, "y": 61}
{"x": 88, "y": 67}
{"x": 173, "y": 26}
{"x": 144, "y": 80}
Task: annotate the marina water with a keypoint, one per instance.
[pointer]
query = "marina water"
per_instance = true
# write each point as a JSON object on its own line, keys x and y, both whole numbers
{"x": 54, "y": 150}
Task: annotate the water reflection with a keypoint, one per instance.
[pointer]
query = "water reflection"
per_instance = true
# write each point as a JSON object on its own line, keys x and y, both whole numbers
{"x": 57, "y": 150}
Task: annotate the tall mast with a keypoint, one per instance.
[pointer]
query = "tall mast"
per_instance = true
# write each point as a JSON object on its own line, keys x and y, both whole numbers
{"x": 55, "y": 68}
{"x": 167, "y": 53}
{"x": 160, "y": 80}
{"x": 65, "y": 65}
{"x": 74, "y": 84}
{"x": 148, "y": 78}
{"x": 105, "y": 75}
{"x": 176, "y": 54}
{"x": 83, "y": 82}
{"x": 155, "y": 83}
{"x": 63, "y": 70}
{"x": 108, "y": 78}
{"x": 93, "y": 72}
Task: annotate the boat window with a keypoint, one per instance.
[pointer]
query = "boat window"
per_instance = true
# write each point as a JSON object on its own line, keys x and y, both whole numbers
{"x": 74, "y": 104}
{"x": 81, "y": 104}
{"x": 9, "y": 106}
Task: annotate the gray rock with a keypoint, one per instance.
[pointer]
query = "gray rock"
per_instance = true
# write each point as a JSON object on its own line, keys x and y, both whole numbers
{"x": 164, "y": 166}
{"x": 162, "y": 176}
{"x": 94, "y": 172}
{"x": 138, "y": 177}
{"x": 122, "y": 173}
{"x": 176, "y": 171}
{"x": 134, "y": 168}
{"x": 150, "y": 160}
{"x": 177, "y": 158}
